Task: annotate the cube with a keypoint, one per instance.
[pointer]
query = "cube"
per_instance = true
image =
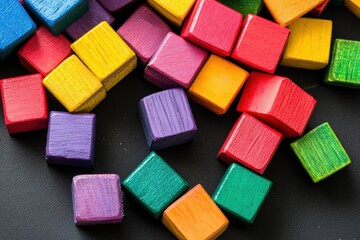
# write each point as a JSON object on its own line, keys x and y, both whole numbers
{"x": 217, "y": 84}
{"x": 105, "y": 54}
{"x": 97, "y": 199}
{"x": 115, "y": 5}
{"x": 250, "y": 143}
{"x": 278, "y": 102}
{"x": 167, "y": 119}
{"x": 260, "y": 44}
{"x": 24, "y": 103}
{"x": 353, "y": 6}
{"x": 175, "y": 63}
{"x": 244, "y": 7}
{"x": 316, "y": 12}
{"x": 71, "y": 139}
{"x": 154, "y": 184}
{"x": 241, "y": 193}
{"x": 195, "y": 216}
{"x": 212, "y": 26}
{"x": 320, "y": 152}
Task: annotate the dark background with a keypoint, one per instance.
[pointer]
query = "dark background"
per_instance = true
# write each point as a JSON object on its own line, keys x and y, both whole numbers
{"x": 35, "y": 199}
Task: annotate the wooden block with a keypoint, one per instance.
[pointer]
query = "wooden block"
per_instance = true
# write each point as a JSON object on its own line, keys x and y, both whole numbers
{"x": 175, "y": 63}
{"x": 278, "y": 102}
{"x": 71, "y": 139}
{"x": 116, "y": 5}
{"x": 155, "y": 185}
{"x": 244, "y": 7}
{"x": 212, "y": 26}
{"x": 260, "y": 44}
{"x": 105, "y": 54}
{"x": 167, "y": 119}
{"x": 75, "y": 86}
{"x": 320, "y": 152}
{"x": 143, "y": 32}
{"x": 241, "y": 193}
{"x": 353, "y": 6}
{"x": 195, "y": 216}
{"x": 24, "y": 103}
{"x": 309, "y": 44}
{"x": 316, "y": 12}
{"x": 217, "y": 84}
{"x": 337, "y": 3}
{"x": 97, "y": 199}
{"x": 251, "y": 143}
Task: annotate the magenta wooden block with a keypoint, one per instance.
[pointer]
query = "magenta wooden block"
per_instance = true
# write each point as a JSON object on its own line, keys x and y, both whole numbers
{"x": 97, "y": 199}
{"x": 115, "y": 5}
{"x": 175, "y": 63}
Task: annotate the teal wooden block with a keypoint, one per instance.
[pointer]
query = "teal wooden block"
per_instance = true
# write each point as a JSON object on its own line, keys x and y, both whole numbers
{"x": 320, "y": 152}
{"x": 154, "y": 184}
{"x": 241, "y": 192}
{"x": 244, "y": 7}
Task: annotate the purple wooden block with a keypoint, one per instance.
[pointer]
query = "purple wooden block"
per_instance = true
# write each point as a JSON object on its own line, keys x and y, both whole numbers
{"x": 71, "y": 139}
{"x": 175, "y": 63}
{"x": 115, "y": 5}
{"x": 167, "y": 119}
{"x": 144, "y": 32}
{"x": 95, "y": 14}
{"x": 97, "y": 199}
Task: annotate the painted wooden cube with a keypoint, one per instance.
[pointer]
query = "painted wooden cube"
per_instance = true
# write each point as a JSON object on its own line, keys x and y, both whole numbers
{"x": 116, "y": 5}
{"x": 260, "y": 44}
{"x": 195, "y": 216}
{"x": 320, "y": 152}
{"x": 244, "y": 7}
{"x": 24, "y": 103}
{"x": 167, "y": 119}
{"x": 278, "y": 102}
{"x": 316, "y": 12}
{"x": 353, "y": 6}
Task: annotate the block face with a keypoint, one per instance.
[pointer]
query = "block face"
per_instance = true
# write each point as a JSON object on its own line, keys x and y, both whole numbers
{"x": 244, "y": 7}
{"x": 115, "y": 5}
{"x": 316, "y": 12}
{"x": 320, "y": 152}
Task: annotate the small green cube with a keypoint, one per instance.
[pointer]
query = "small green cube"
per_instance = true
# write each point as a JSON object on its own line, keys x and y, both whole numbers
{"x": 244, "y": 7}
{"x": 241, "y": 192}
{"x": 320, "y": 152}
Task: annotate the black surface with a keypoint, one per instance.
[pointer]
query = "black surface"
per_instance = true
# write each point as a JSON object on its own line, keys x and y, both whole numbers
{"x": 35, "y": 199}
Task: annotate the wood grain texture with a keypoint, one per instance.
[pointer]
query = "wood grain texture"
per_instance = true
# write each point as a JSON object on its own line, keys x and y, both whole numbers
{"x": 97, "y": 199}
{"x": 155, "y": 185}
{"x": 105, "y": 54}
{"x": 116, "y": 5}
{"x": 260, "y": 44}
{"x": 195, "y": 216}
{"x": 320, "y": 152}
{"x": 217, "y": 84}
{"x": 175, "y": 64}
{"x": 167, "y": 119}
{"x": 278, "y": 102}
{"x": 316, "y": 12}
{"x": 212, "y": 26}
{"x": 353, "y": 6}
{"x": 244, "y": 7}
{"x": 71, "y": 139}
{"x": 241, "y": 192}
{"x": 309, "y": 44}
{"x": 250, "y": 143}
{"x": 24, "y": 103}
{"x": 74, "y": 86}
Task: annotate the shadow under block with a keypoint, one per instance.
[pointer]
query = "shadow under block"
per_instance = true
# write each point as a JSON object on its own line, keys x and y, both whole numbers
{"x": 175, "y": 63}
{"x": 97, "y": 199}
{"x": 167, "y": 119}
{"x": 244, "y": 7}
{"x": 320, "y": 152}
{"x": 217, "y": 84}
{"x": 353, "y": 6}
{"x": 24, "y": 103}
{"x": 316, "y": 12}
{"x": 74, "y": 86}
{"x": 278, "y": 102}
{"x": 250, "y": 143}
{"x": 115, "y": 5}
{"x": 337, "y": 3}
{"x": 195, "y": 216}
{"x": 155, "y": 185}
{"x": 309, "y": 44}
{"x": 105, "y": 54}
{"x": 260, "y": 44}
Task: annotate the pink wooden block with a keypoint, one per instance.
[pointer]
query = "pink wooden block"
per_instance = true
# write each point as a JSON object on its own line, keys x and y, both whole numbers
{"x": 319, "y": 9}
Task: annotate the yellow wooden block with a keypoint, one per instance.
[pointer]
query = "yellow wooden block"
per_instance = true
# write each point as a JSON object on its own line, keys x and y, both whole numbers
{"x": 353, "y": 6}
{"x": 309, "y": 44}
{"x": 105, "y": 54}
{"x": 217, "y": 84}
{"x": 74, "y": 85}
{"x": 195, "y": 216}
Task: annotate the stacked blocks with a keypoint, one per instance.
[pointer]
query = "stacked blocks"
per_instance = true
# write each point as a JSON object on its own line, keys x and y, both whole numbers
{"x": 244, "y": 7}
{"x": 353, "y": 6}
{"x": 115, "y": 5}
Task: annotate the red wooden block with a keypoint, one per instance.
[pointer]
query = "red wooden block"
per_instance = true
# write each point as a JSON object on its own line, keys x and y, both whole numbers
{"x": 260, "y": 44}
{"x": 319, "y": 9}
{"x": 212, "y": 26}
{"x": 278, "y": 102}
{"x": 24, "y": 103}
{"x": 43, "y": 51}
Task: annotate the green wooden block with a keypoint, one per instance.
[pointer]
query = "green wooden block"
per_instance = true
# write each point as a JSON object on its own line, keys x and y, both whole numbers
{"x": 337, "y": 3}
{"x": 245, "y": 7}
{"x": 344, "y": 69}
{"x": 241, "y": 192}
{"x": 155, "y": 184}
{"x": 320, "y": 152}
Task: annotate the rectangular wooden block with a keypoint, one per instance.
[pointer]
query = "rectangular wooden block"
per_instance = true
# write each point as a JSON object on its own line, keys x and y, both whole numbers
{"x": 115, "y": 5}
{"x": 244, "y": 7}
{"x": 316, "y": 12}
{"x": 353, "y": 6}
